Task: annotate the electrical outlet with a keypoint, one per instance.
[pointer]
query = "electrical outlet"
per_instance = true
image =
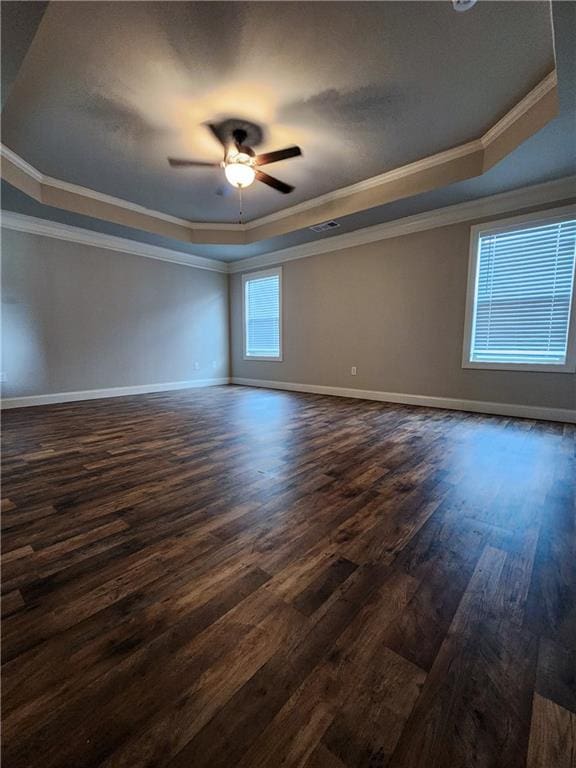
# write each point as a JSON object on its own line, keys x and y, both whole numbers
{"x": 353, "y": 370}
{"x": 2, "y": 377}
{"x": 196, "y": 365}
{"x": 214, "y": 364}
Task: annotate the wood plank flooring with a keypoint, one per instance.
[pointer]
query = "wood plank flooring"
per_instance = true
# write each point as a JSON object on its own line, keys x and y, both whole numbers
{"x": 240, "y": 577}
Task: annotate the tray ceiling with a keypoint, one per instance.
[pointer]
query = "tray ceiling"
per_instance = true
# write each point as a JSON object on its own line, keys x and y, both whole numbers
{"x": 109, "y": 90}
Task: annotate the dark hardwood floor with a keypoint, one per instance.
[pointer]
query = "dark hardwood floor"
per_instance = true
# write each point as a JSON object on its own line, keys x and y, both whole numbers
{"x": 234, "y": 577}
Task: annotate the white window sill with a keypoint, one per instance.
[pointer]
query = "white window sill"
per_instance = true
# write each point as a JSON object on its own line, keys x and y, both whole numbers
{"x": 534, "y": 367}
{"x": 268, "y": 359}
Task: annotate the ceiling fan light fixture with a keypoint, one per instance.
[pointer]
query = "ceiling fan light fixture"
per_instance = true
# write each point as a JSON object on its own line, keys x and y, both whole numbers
{"x": 239, "y": 170}
{"x": 240, "y": 164}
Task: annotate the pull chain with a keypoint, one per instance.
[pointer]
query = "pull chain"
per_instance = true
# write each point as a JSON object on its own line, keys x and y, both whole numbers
{"x": 240, "y": 194}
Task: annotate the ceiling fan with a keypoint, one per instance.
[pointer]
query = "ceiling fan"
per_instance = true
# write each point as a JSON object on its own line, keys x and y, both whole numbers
{"x": 241, "y": 165}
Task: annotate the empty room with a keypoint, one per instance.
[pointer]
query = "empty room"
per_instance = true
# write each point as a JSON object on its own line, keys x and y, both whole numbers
{"x": 288, "y": 384}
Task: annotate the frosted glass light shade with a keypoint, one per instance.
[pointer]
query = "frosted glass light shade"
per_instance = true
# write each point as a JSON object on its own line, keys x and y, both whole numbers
{"x": 239, "y": 172}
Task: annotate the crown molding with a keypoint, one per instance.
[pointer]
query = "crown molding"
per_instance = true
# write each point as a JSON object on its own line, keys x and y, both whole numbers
{"x": 547, "y": 88}
{"x": 455, "y": 164}
{"x": 20, "y": 163}
{"x": 92, "y": 194}
{"x": 523, "y": 107}
{"x": 482, "y": 208}
{"x": 75, "y": 189}
{"x": 493, "y": 205}
{"x": 396, "y": 174}
{"x": 22, "y": 223}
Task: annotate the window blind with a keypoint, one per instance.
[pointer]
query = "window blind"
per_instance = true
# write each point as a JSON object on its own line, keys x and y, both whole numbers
{"x": 524, "y": 291}
{"x": 262, "y": 307}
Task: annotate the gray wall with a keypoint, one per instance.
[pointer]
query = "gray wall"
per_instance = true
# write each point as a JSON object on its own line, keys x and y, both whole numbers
{"x": 395, "y": 309}
{"x": 77, "y": 317}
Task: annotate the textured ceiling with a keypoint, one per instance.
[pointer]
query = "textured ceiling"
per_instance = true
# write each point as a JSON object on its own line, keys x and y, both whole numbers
{"x": 19, "y": 25}
{"x": 108, "y": 90}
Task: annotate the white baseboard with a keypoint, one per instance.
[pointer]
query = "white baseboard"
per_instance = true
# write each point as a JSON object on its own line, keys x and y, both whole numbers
{"x": 475, "y": 406}
{"x": 96, "y": 394}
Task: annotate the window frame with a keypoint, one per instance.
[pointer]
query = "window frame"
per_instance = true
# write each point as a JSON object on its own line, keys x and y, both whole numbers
{"x": 275, "y": 271}
{"x": 496, "y": 227}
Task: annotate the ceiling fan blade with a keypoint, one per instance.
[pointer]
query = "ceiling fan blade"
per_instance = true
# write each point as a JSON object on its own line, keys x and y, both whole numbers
{"x": 177, "y": 163}
{"x": 274, "y": 183}
{"x": 280, "y": 154}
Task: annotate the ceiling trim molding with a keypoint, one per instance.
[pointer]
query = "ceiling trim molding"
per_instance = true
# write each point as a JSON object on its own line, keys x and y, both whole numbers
{"x": 530, "y": 114}
{"x": 396, "y": 174}
{"x": 493, "y": 205}
{"x": 111, "y": 200}
{"x": 544, "y": 87}
{"x": 20, "y": 163}
{"x": 32, "y": 225}
{"x": 524, "y": 119}
{"x": 485, "y": 207}
{"x": 76, "y": 189}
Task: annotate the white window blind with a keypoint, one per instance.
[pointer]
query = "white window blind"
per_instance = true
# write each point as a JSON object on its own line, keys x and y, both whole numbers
{"x": 523, "y": 295}
{"x": 262, "y": 315}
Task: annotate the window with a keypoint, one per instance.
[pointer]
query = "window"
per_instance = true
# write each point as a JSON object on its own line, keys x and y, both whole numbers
{"x": 263, "y": 315}
{"x": 520, "y": 306}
